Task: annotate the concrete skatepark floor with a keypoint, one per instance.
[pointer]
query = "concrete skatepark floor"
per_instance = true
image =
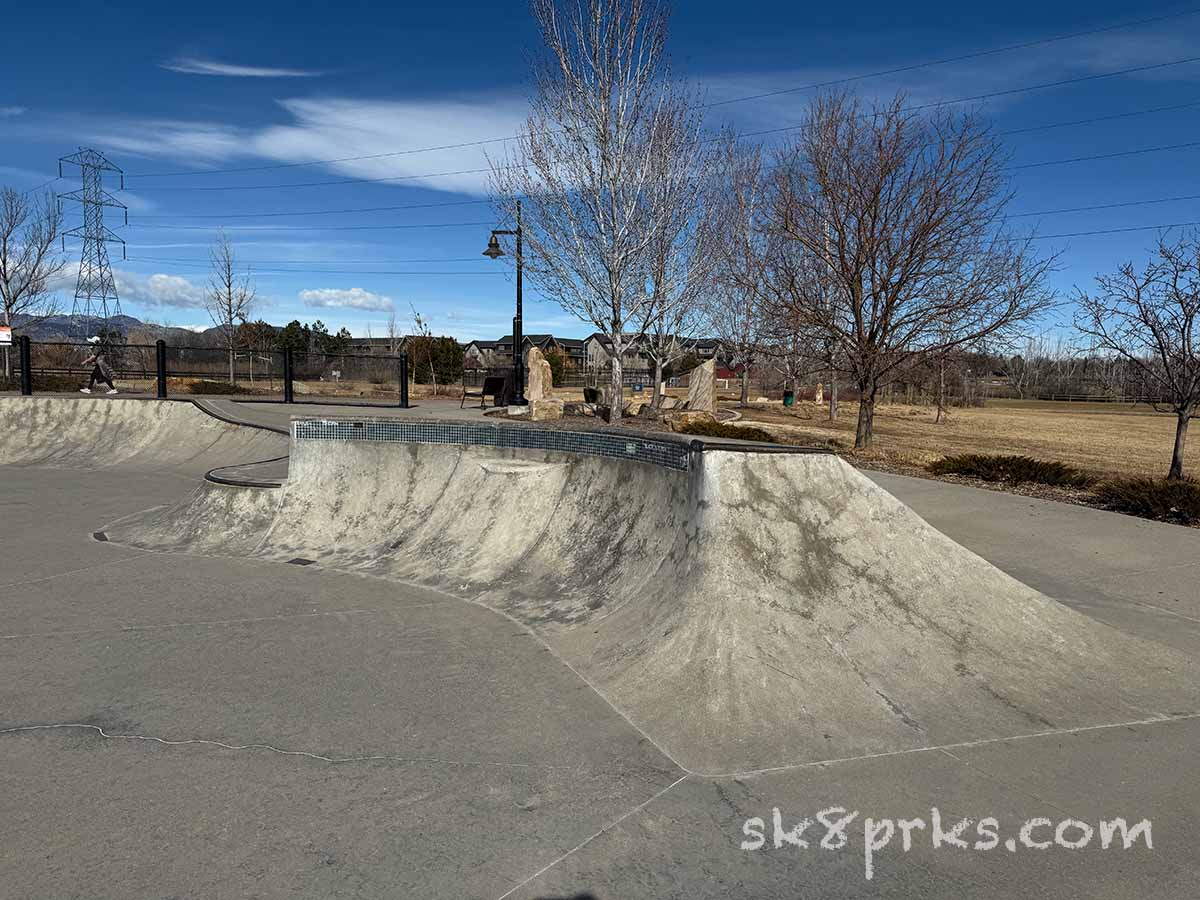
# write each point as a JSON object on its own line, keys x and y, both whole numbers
{"x": 179, "y": 725}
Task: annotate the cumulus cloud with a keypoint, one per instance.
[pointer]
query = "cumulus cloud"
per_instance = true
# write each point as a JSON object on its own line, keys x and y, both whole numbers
{"x": 192, "y": 66}
{"x": 159, "y": 290}
{"x": 345, "y": 298}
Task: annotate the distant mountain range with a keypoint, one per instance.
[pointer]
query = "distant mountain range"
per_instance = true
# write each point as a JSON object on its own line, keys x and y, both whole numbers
{"x": 69, "y": 330}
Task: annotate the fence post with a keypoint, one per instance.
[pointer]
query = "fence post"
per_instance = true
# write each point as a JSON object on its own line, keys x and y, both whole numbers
{"x": 26, "y": 370}
{"x": 404, "y": 381}
{"x": 288, "y": 396}
{"x": 160, "y": 363}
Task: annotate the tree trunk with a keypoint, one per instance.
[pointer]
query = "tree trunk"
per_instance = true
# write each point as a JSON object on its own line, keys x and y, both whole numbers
{"x": 833, "y": 408}
{"x": 231, "y": 380}
{"x": 617, "y": 388}
{"x": 1181, "y": 429}
{"x": 866, "y": 415}
{"x": 745, "y": 401}
{"x": 941, "y": 395}
{"x": 658, "y": 380}
{"x": 7, "y": 360}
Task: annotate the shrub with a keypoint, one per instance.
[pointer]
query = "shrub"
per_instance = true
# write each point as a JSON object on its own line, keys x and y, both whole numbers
{"x": 45, "y": 384}
{"x": 204, "y": 386}
{"x": 721, "y": 430}
{"x": 1152, "y": 498}
{"x": 442, "y": 355}
{"x": 1011, "y": 470}
{"x": 558, "y": 365}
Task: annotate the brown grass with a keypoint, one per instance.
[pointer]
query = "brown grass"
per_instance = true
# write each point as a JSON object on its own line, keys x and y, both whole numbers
{"x": 1100, "y": 438}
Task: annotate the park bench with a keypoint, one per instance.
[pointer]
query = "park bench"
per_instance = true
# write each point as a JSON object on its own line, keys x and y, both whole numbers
{"x": 494, "y": 385}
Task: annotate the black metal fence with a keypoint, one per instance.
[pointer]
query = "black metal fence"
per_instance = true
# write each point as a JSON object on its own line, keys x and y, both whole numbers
{"x": 571, "y": 379}
{"x": 45, "y": 367}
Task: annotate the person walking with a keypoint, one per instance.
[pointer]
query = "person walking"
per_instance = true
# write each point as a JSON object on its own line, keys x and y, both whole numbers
{"x": 101, "y": 371}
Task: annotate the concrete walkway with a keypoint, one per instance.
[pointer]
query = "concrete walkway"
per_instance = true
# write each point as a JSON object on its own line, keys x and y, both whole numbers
{"x": 1140, "y": 576}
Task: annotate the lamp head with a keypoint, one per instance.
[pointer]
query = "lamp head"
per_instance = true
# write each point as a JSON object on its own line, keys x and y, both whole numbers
{"x": 494, "y": 250}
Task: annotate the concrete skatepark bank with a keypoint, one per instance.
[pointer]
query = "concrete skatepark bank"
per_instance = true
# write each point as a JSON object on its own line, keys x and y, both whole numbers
{"x": 746, "y": 611}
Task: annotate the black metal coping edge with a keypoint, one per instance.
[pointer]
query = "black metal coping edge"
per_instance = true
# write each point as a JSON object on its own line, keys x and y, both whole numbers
{"x": 665, "y": 449}
{"x": 216, "y": 476}
{"x": 200, "y": 405}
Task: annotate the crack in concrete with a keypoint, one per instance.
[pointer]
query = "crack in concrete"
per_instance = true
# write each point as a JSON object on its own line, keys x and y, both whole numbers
{"x": 960, "y": 745}
{"x": 125, "y": 629}
{"x": 67, "y": 574}
{"x": 607, "y": 828}
{"x": 337, "y": 760}
{"x": 1011, "y": 785}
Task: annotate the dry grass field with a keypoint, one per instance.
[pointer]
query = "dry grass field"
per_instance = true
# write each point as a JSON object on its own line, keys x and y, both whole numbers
{"x": 1101, "y": 438}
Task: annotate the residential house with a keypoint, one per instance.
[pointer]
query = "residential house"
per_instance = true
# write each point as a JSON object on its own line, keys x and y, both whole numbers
{"x": 483, "y": 355}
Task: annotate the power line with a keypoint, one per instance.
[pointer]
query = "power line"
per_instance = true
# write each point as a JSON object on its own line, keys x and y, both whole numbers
{"x": 1123, "y": 153}
{"x": 991, "y": 95}
{"x": 1109, "y": 118}
{"x": 1047, "y": 237}
{"x": 1075, "y": 209}
{"x": 962, "y": 58}
{"x": 977, "y": 54}
{"x": 299, "y": 262}
{"x": 316, "y": 212}
{"x": 917, "y": 108}
{"x": 295, "y": 184}
{"x": 447, "y": 203}
{"x": 321, "y": 227}
{"x": 40, "y": 186}
{"x": 497, "y": 271}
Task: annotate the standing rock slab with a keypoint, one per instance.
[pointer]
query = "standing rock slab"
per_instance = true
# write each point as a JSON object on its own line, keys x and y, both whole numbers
{"x": 702, "y": 388}
{"x": 539, "y": 380}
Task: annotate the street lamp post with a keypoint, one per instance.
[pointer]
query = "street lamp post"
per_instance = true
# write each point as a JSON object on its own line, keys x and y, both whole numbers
{"x": 494, "y": 251}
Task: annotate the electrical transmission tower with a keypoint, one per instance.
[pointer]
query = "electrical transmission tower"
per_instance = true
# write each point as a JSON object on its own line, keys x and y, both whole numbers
{"x": 96, "y": 289}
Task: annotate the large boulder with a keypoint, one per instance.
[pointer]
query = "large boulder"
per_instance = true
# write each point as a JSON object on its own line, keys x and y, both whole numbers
{"x": 545, "y": 410}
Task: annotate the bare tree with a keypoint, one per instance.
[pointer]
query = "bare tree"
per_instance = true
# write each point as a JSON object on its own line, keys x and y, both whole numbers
{"x": 28, "y": 262}
{"x": 906, "y": 211}
{"x": 738, "y": 307}
{"x": 395, "y": 340}
{"x": 422, "y": 346}
{"x": 1150, "y": 319}
{"x": 682, "y": 258}
{"x": 608, "y": 155}
{"x": 230, "y": 297}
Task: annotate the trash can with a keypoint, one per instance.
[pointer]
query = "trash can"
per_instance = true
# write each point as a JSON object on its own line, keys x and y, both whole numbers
{"x": 789, "y": 398}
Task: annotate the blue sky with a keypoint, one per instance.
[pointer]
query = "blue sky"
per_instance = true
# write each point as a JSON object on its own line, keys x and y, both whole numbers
{"x": 162, "y": 90}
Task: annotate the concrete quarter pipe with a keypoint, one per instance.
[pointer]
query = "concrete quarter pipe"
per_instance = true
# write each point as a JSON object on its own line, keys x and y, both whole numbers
{"x": 744, "y": 610}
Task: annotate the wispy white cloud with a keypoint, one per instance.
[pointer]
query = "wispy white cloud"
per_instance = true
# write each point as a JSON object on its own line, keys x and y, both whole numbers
{"x": 339, "y": 128}
{"x": 189, "y": 65}
{"x": 9, "y": 111}
{"x": 194, "y": 142}
{"x": 375, "y": 134}
{"x": 345, "y": 298}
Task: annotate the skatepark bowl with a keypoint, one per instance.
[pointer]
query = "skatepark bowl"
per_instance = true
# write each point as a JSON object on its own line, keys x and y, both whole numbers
{"x": 404, "y": 657}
